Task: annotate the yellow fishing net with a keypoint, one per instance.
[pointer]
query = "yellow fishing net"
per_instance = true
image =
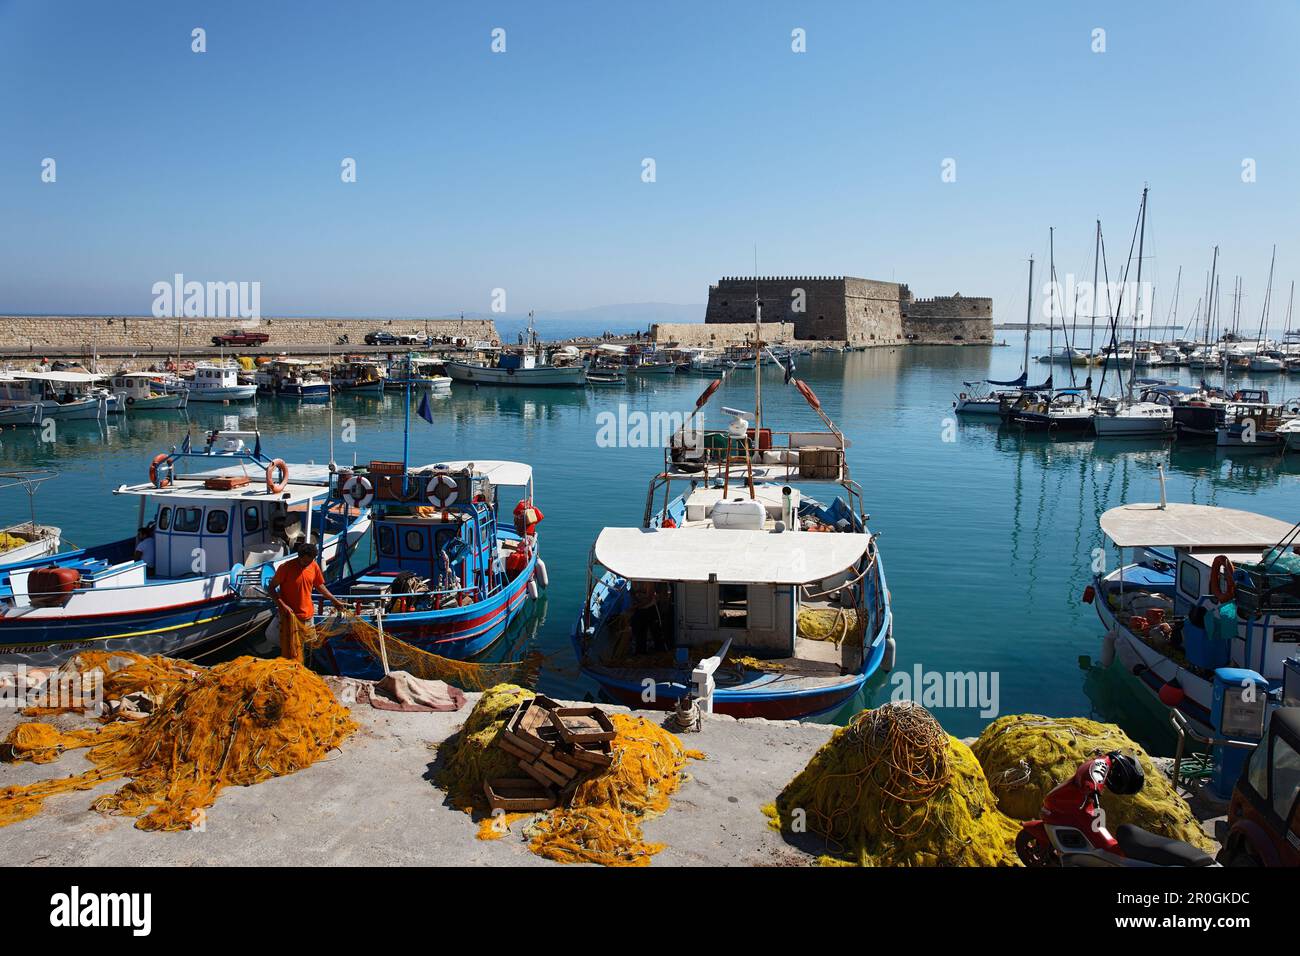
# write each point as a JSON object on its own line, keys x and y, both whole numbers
{"x": 893, "y": 789}
{"x": 826, "y": 623}
{"x": 10, "y": 541}
{"x": 238, "y": 723}
{"x": 602, "y": 823}
{"x": 467, "y": 675}
{"x": 1024, "y": 756}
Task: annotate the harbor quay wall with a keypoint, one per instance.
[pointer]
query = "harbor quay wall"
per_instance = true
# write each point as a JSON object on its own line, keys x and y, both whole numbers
{"x": 21, "y": 334}
{"x": 718, "y": 335}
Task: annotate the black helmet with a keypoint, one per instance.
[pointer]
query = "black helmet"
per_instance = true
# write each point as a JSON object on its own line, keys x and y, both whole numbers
{"x": 1125, "y": 777}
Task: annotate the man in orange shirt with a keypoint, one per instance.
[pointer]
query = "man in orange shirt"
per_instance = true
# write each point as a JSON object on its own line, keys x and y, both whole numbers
{"x": 292, "y": 588}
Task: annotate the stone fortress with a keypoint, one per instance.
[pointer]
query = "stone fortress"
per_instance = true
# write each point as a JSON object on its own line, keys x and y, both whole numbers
{"x": 835, "y": 309}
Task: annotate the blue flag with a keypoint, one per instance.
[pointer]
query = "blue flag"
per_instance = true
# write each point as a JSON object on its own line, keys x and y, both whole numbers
{"x": 424, "y": 411}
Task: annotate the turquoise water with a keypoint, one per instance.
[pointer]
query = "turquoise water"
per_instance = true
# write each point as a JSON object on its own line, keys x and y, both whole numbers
{"x": 987, "y": 534}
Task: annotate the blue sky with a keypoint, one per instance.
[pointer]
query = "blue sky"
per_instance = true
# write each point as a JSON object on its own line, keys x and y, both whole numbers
{"x": 522, "y": 170}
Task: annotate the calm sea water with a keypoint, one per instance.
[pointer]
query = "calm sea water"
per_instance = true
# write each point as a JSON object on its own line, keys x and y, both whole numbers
{"x": 987, "y": 534}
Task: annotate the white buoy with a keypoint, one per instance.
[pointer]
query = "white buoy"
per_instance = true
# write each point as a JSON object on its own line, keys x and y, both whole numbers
{"x": 891, "y": 649}
{"x": 532, "y": 590}
{"x": 1108, "y": 649}
{"x": 541, "y": 574}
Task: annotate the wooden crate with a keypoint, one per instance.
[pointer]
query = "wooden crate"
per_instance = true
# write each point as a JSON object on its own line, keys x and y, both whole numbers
{"x": 227, "y": 483}
{"x": 518, "y": 795}
{"x": 580, "y": 726}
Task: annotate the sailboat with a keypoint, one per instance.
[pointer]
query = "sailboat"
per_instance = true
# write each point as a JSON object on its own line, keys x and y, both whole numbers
{"x": 979, "y": 400}
{"x": 1129, "y": 417}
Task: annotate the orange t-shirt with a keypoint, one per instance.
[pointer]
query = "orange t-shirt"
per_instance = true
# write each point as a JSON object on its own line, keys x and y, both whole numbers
{"x": 296, "y": 584}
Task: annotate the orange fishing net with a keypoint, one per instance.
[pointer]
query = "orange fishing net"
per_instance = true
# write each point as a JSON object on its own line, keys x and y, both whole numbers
{"x": 602, "y": 822}
{"x": 238, "y": 723}
{"x": 467, "y": 675}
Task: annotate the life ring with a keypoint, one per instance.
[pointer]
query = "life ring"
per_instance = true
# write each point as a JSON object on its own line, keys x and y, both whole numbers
{"x": 153, "y": 472}
{"x": 708, "y": 393}
{"x": 277, "y": 467}
{"x": 442, "y": 490}
{"x": 1222, "y": 585}
{"x": 130, "y": 400}
{"x": 358, "y": 491}
{"x": 807, "y": 393}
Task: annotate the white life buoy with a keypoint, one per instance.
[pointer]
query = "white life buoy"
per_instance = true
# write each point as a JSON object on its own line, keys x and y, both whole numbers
{"x": 442, "y": 490}
{"x": 358, "y": 491}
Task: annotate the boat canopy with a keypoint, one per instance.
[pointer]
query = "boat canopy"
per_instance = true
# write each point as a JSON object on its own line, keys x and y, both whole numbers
{"x": 188, "y": 489}
{"x": 513, "y": 473}
{"x": 1191, "y": 527}
{"x": 730, "y": 556}
{"x": 67, "y": 378}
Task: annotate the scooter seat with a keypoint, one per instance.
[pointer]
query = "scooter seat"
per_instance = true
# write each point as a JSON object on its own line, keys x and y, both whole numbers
{"x": 1139, "y": 844}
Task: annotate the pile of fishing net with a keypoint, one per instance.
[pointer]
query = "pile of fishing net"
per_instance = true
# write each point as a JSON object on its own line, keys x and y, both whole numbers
{"x": 10, "y": 541}
{"x": 893, "y": 789}
{"x": 827, "y": 623}
{"x": 1025, "y": 756}
{"x": 602, "y": 820}
{"x": 401, "y": 656}
{"x": 238, "y": 723}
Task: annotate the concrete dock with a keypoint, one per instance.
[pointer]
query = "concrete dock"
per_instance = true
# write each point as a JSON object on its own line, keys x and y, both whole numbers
{"x": 374, "y": 803}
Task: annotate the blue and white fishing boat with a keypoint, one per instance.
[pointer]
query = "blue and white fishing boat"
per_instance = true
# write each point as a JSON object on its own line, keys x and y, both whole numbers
{"x": 746, "y": 593}
{"x": 452, "y": 570}
{"x": 1202, "y": 588}
{"x": 221, "y": 519}
{"x": 292, "y": 378}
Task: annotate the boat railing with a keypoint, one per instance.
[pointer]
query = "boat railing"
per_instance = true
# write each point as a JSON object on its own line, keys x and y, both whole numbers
{"x": 1200, "y": 761}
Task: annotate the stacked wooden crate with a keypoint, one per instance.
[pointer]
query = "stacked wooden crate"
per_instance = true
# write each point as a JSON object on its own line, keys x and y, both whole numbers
{"x": 556, "y": 747}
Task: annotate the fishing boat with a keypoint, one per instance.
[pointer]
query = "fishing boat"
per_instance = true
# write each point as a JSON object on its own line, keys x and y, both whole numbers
{"x": 1251, "y": 423}
{"x": 141, "y": 391}
{"x": 61, "y": 395}
{"x": 762, "y": 601}
{"x": 527, "y": 365}
{"x": 220, "y": 521}
{"x": 357, "y": 375}
{"x": 1203, "y": 588}
{"x": 606, "y": 376}
{"x": 292, "y": 378}
{"x": 29, "y": 539}
{"x": 215, "y": 383}
{"x": 1197, "y": 411}
{"x": 454, "y": 563}
{"x": 421, "y": 372}
{"x": 28, "y": 414}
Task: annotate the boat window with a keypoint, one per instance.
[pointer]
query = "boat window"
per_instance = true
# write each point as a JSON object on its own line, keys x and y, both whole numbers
{"x": 1189, "y": 578}
{"x": 733, "y": 605}
{"x": 218, "y": 522}
{"x": 1286, "y": 777}
{"x": 164, "y": 518}
{"x": 252, "y": 519}
{"x": 387, "y": 540}
{"x": 187, "y": 519}
{"x": 414, "y": 542}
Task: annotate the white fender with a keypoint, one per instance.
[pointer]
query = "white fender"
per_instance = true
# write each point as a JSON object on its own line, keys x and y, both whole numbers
{"x": 540, "y": 574}
{"x": 891, "y": 650}
{"x": 1108, "y": 649}
{"x": 532, "y": 590}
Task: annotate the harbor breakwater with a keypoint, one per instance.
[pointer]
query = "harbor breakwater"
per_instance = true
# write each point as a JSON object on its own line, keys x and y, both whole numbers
{"x": 28, "y": 335}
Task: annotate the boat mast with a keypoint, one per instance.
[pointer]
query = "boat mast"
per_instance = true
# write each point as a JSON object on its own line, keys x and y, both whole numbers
{"x": 758, "y": 356}
{"x": 1137, "y": 308}
{"x": 1051, "y": 302}
{"x": 1029, "y": 314}
{"x": 1092, "y": 321}
{"x": 1268, "y": 295}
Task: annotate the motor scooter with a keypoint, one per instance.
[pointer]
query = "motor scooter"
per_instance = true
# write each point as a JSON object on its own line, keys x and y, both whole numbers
{"x": 1072, "y": 830}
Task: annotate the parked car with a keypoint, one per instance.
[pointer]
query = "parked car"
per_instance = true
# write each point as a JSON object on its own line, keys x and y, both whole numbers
{"x": 410, "y": 339}
{"x": 381, "y": 338}
{"x": 1264, "y": 815}
{"x": 237, "y": 337}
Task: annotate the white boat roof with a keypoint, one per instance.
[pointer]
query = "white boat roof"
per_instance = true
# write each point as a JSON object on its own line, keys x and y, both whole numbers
{"x": 1191, "y": 526}
{"x": 301, "y": 474}
{"x": 514, "y": 473}
{"x": 735, "y": 557}
{"x": 191, "y": 489}
{"x": 80, "y": 378}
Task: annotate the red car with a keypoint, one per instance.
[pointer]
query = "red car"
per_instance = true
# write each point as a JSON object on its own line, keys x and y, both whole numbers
{"x": 1264, "y": 816}
{"x": 236, "y": 337}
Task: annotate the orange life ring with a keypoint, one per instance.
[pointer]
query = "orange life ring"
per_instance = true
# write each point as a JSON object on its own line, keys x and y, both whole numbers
{"x": 807, "y": 393}
{"x": 1222, "y": 585}
{"x": 708, "y": 393}
{"x": 272, "y": 485}
{"x": 153, "y": 472}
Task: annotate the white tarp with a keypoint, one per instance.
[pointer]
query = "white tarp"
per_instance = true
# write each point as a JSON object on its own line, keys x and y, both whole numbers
{"x": 735, "y": 557}
{"x": 1190, "y": 526}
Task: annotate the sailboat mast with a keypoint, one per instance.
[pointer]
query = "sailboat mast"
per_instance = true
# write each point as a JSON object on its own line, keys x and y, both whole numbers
{"x": 1092, "y": 322}
{"x": 1051, "y": 302}
{"x": 1029, "y": 314}
{"x": 1137, "y": 308}
{"x": 1268, "y": 295}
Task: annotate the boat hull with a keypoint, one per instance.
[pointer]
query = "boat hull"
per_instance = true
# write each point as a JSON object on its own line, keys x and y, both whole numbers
{"x": 546, "y": 376}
